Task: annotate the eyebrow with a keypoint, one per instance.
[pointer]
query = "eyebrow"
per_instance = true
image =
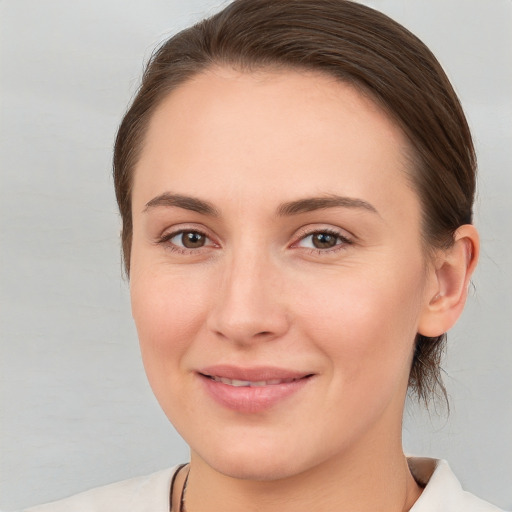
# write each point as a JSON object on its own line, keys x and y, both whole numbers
{"x": 305, "y": 205}
{"x": 310, "y": 204}
{"x": 181, "y": 201}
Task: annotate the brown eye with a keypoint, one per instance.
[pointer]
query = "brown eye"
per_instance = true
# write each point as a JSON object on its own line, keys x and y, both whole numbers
{"x": 186, "y": 241}
{"x": 192, "y": 239}
{"x": 324, "y": 240}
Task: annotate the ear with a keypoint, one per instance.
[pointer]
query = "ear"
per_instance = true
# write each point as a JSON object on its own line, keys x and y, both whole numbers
{"x": 448, "y": 288}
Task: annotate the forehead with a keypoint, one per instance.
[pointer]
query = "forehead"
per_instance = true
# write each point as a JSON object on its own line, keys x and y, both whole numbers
{"x": 291, "y": 133}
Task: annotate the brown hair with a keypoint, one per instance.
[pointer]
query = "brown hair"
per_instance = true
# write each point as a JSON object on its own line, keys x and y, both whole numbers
{"x": 354, "y": 44}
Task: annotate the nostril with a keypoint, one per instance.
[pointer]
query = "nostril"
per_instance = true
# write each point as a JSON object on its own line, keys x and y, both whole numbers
{"x": 243, "y": 321}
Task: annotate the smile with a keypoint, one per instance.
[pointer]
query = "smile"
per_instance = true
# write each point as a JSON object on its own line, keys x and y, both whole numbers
{"x": 252, "y": 390}
{"x": 248, "y": 383}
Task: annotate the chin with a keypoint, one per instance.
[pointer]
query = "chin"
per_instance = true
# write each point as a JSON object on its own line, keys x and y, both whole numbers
{"x": 257, "y": 468}
{"x": 264, "y": 459}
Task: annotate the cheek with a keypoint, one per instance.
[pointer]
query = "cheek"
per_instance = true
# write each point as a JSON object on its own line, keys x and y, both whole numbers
{"x": 168, "y": 312}
{"x": 366, "y": 322}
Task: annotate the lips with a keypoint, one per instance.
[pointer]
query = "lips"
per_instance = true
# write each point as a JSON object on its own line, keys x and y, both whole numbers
{"x": 251, "y": 390}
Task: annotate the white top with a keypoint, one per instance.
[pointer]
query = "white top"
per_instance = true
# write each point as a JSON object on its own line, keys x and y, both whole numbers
{"x": 442, "y": 493}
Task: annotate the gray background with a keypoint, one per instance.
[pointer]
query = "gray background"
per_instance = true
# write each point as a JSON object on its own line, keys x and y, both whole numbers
{"x": 76, "y": 411}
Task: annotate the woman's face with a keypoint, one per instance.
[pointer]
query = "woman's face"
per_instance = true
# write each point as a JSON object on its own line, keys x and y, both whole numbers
{"x": 277, "y": 273}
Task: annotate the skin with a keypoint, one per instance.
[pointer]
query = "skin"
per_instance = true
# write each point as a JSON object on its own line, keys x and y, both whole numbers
{"x": 258, "y": 292}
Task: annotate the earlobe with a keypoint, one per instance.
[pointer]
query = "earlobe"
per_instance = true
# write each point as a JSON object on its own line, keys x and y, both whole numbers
{"x": 448, "y": 292}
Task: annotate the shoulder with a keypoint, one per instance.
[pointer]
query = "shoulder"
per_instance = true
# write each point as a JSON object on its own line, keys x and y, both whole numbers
{"x": 443, "y": 492}
{"x": 142, "y": 494}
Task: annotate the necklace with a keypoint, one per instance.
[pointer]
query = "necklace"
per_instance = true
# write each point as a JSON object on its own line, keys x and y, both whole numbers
{"x": 182, "y": 495}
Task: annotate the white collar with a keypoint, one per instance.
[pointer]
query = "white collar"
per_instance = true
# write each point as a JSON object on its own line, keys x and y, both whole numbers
{"x": 442, "y": 492}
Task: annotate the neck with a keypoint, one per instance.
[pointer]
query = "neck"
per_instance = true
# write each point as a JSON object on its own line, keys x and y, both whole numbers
{"x": 377, "y": 482}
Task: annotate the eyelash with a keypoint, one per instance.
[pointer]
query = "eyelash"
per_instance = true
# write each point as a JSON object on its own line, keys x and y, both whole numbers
{"x": 342, "y": 245}
{"x": 167, "y": 237}
{"x": 343, "y": 240}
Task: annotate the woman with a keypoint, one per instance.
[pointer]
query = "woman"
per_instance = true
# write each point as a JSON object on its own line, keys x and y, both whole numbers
{"x": 296, "y": 181}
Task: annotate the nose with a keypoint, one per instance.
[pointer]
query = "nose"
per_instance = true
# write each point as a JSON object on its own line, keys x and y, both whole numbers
{"x": 249, "y": 304}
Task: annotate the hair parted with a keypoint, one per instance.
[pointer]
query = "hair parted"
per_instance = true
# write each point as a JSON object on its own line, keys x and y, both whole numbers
{"x": 357, "y": 45}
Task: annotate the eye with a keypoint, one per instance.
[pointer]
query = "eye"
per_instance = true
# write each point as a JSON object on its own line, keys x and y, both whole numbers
{"x": 185, "y": 240}
{"x": 323, "y": 240}
{"x": 189, "y": 239}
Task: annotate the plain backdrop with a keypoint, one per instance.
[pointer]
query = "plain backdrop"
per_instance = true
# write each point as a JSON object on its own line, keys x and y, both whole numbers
{"x": 76, "y": 411}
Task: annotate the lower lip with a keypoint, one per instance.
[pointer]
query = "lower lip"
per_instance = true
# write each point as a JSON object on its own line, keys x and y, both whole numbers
{"x": 251, "y": 399}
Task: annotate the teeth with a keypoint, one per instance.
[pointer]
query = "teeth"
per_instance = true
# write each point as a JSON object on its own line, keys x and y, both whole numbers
{"x": 247, "y": 383}
{"x": 237, "y": 383}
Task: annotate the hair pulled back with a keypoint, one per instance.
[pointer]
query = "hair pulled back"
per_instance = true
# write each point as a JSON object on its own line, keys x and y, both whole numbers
{"x": 354, "y": 44}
